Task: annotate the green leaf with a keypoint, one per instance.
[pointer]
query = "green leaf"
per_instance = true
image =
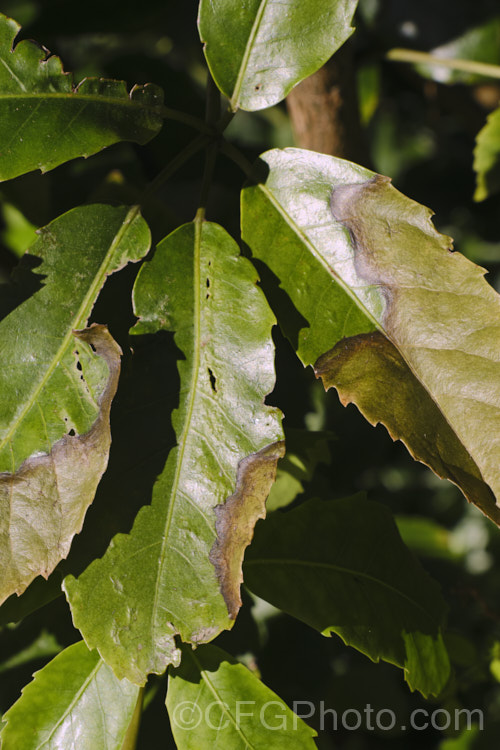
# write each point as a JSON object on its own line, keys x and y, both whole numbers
{"x": 19, "y": 233}
{"x": 44, "y": 645}
{"x": 480, "y": 44}
{"x": 487, "y": 158}
{"x": 57, "y": 383}
{"x": 304, "y": 451}
{"x": 213, "y": 701}
{"x": 47, "y": 120}
{"x": 426, "y": 537}
{"x": 185, "y": 550}
{"x": 75, "y": 701}
{"x": 398, "y": 324}
{"x": 341, "y": 566}
{"x": 257, "y": 51}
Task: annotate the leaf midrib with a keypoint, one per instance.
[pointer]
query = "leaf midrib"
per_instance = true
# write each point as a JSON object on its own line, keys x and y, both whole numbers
{"x": 359, "y": 304}
{"x": 74, "y": 701}
{"x": 222, "y": 704}
{"x": 74, "y": 95}
{"x": 182, "y": 443}
{"x": 246, "y": 55}
{"x": 343, "y": 570}
{"x": 79, "y": 321}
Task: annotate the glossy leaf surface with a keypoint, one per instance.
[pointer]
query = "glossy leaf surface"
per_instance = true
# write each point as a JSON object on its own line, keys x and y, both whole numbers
{"x": 257, "y": 51}
{"x": 399, "y": 324}
{"x": 47, "y": 120}
{"x": 73, "y": 702}
{"x": 213, "y": 701}
{"x": 167, "y": 575}
{"x": 341, "y": 567}
{"x": 57, "y": 382}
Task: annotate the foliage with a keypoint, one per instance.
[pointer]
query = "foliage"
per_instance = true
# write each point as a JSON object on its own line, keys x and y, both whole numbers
{"x": 148, "y": 357}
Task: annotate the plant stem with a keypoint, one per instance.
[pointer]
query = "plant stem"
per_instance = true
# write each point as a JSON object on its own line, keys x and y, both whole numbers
{"x": 467, "y": 66}
{"x": 183, "y": 156}
{"x": 212, "y": 117}
{"x": 190, "y": 120}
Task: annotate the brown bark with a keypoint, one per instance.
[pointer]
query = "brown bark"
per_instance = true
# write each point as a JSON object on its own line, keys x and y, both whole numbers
{"x": 324, "y": 110}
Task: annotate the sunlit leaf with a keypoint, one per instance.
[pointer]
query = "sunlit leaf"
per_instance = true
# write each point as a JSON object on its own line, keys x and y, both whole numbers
{"x": 73, "y": 702}
{"x": 47, "y": 119}
{"x": 259, "y": 50}
{"x": 213, "y": 701}
{"x": 341, "y": 567}
{"x": 487, "y": 158}
{"x": 57, "y": 381}
{"x": 186, "y": 551}
{"x": 398, "y": 324}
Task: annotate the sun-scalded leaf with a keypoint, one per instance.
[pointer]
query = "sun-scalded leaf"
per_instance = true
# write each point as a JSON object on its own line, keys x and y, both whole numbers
{"x": 167, "y": 575}
{"x": 57, "y": 382}
{"x": 47, "y": 120}
{"x": 341, "y": 567}
{"x": 73, "y": 702}
{"x": 213, "y": 701}
{"x": 487, "y": 158}
{"x": 399, "y": 324}
{"x": 257, "y": 51}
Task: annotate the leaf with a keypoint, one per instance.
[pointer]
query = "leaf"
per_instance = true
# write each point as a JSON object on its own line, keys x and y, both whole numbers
{"x": 487, "y": 158}
{"x": 259, "y": 50}
{"x": 183, "y": 552}
{"x": 426, "y": 537}
{"x": 19, "y": 233}
{"x": 304, "y": 451}
{"x": 398, "y": 324}
{"x": 480, "y": 44}
{"x": 54, "y": 416}
{"x": 213, "y": 701}
{"x": 73, "y": 702}
{"x": 47, "y": 120}
{"x": 340, "y": 566}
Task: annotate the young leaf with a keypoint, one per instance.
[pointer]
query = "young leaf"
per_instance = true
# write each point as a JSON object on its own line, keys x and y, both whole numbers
{"x": 47, "y": 120}
{"x": 213, "y": 701}
{"x": 167, "y": 575}
{"x": 73, "y": 702}
{"x": 57, "y": 383}
{"x": 259, "y": 50}
{"x": 341, "y": 566}
{"x": 487, "y": 158}
{"x": 406, "y": 329}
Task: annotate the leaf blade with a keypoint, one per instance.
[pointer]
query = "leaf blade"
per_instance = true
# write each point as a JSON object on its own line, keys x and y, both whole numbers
{"x": 46, "y": 120}
{"x": 391, "y": 291}
{"x": 63, "y": 706}
{"x": 340, "y": 566}
{"x": 260, "y": 50}
{"x": 210, "y": 679}
{"x": 228, "y": 368}
{"x": 54, "y": 420}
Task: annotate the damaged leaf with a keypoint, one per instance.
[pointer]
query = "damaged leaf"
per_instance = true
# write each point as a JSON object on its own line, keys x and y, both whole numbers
{"x": 75, "y": 701}
{"x": 340, "y": 566}
{"x": 47, "y": 120}
{"x": 406, "y": 329}
{"x": 199, "y": 287}
{"x": 237, "y": 710}
{"x": 57, "y": 383}
{"x": 258, "y": 51}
